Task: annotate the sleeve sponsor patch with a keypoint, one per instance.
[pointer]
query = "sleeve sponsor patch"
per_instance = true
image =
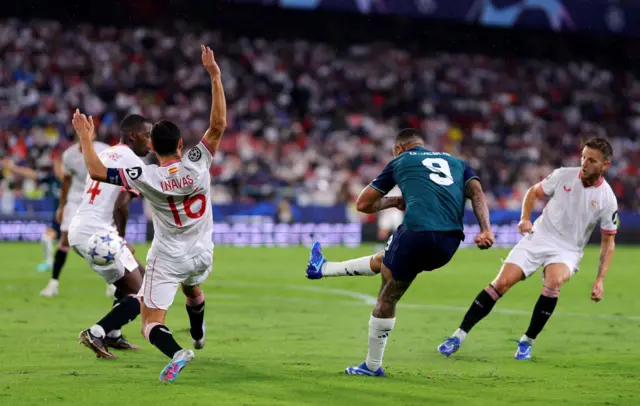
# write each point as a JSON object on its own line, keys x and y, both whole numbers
{"x": 134, "y": 173}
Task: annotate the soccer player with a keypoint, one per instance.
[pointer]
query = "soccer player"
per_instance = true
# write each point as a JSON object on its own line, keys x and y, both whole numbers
{"x": 434, "y": 188}
{"x": 73, "y": 181}
{"x": 580, "y": 198}
{"x": 50, "y": 179}
{"x": 179, "y": 194}
{"x": 105, "y": 208}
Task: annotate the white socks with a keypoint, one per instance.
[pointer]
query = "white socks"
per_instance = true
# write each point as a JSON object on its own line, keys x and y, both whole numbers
{"x": 352, "y": 267}
{"x": 527, "y": 339}
{"x": 97, "y": 331}
{"x": 47, "y": 246}
{"x": 114, "y": 333}
{"x": 379, "y": 330}
{"x": 460, "y": 334}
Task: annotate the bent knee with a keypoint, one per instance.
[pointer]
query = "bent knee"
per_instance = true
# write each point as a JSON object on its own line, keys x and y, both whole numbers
{"x": 550, "y": 292}
{"x": 378, "y": 257}
{"x": 554, "y": 283}
{"x": 147, "y": 327}
{"x": 498, "y": 288}
{"x": 192, "y": 291}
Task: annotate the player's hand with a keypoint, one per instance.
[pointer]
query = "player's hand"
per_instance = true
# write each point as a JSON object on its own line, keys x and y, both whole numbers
{"x": 59, "y": 214}
{"x": 400, "y": 205}
{"x": 597, "y": 290}
{"x": 209, "y": 61}
{"x": 484, "y": 240}
{"x": 84, "y": 126}
{"x": 525, "y": 226}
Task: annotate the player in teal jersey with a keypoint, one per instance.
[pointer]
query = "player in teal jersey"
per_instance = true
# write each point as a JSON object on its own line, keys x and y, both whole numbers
{"x": 434, "y": 188}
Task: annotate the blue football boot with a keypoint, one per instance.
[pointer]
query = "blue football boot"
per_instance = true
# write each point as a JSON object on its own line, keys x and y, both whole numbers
{"x": 316, "y": 260}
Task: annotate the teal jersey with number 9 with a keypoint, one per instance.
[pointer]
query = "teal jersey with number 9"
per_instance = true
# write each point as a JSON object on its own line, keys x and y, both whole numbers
{"x": 433, "y": 188}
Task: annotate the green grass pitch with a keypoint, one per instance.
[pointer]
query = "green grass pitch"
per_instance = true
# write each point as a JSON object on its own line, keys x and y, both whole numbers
{"x": 276, "y": 338}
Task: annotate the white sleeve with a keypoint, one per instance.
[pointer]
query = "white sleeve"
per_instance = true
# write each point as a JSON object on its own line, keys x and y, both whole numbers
{"x": 609, "y": 218}
{"x": 66, "y": 165}
{"x": 551, "y": 182}
{"x": 99, "y": 147}
{"x": 199, "y": 157}
{"x": 132, "y": 179}
{"x": 132, "y": 174}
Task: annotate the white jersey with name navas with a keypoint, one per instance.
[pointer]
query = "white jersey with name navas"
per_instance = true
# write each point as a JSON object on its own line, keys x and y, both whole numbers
{"x": 179, "y": 193}
{"x": 574, "y": 210}
{"x": 95, "y": 213}
{"x": 73, "y": 164}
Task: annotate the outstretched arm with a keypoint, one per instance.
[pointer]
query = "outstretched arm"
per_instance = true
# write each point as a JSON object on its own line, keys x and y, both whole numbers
{"x": 84, "y": 127}
{"x": 218, "y": 116}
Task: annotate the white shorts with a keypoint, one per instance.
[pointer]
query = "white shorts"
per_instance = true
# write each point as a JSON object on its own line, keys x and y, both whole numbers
{"x": 67, "y": 215}
{"x": 115, "y": 270}
{"x": 535, "y": 251}
{"x": 390, "y": 219}
{"x": 162, "y": 277}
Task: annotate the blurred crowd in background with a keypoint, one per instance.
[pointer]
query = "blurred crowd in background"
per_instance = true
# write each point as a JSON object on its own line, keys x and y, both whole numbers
{"x": 311, "y": 121}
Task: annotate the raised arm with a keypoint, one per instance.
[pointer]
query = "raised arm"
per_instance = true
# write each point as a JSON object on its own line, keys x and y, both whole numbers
{"x": 85, "y": 128}
{"x": 218, "y": 116}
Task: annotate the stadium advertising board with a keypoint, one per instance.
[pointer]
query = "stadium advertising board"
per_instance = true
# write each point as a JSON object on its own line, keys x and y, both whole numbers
{"x": 139, "y": 230}
{"x": 254, "y": 228}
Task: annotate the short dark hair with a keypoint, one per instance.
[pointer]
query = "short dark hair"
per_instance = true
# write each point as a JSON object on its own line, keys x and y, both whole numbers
{"x": 165, "y": 136}
{"x": 133, "y": 123}
{"x": 408, "y": 134}
{"x": 601, "y": 145}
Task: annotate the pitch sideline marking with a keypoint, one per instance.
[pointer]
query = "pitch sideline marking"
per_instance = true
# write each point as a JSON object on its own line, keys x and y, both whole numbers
{"x": 369, "y": 300}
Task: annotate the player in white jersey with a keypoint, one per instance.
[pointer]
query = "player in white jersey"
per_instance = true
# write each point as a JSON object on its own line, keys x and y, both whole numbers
{"x": 179, "y": 194}
{"x": 73, "y": 181}
{"x": 579, "y": 199}
{"x": 105, "y": 208}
